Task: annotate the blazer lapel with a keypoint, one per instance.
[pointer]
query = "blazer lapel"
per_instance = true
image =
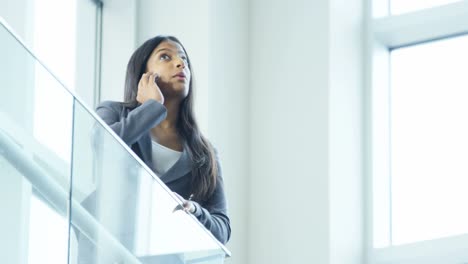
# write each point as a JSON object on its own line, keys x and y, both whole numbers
{"x": 146, "y": 152}
{"x": 179, "y": 169}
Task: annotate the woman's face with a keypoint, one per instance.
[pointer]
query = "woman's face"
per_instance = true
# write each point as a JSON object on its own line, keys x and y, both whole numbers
{"x": 169, "y": 61}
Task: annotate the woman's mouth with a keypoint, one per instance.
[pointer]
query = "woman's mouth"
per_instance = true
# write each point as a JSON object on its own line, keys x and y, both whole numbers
{"x": 180, "y": 75}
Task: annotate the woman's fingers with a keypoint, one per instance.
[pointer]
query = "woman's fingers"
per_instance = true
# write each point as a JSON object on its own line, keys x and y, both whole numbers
{"x": 150, "y": 79}
{"x": 187, "y": 205}
{"x": 153, "y": 78}
{"x": 148, "y": 88}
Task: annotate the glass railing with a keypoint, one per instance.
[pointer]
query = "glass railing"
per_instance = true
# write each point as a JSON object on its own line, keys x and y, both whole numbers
{"x": 70, "y": 190}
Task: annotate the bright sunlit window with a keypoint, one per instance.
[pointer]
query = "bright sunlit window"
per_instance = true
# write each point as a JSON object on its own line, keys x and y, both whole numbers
{"x": 429, "y": 140}
{"x": 55, "y": 37}
{"x": 54, "y": 44}
{"x": 418, "y": 127}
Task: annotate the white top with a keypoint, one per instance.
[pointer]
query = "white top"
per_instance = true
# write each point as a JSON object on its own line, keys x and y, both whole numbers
{"x": 163, "y": 158}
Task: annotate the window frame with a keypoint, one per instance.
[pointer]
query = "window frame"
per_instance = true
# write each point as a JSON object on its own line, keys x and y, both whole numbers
{"x": 385, "y": 32}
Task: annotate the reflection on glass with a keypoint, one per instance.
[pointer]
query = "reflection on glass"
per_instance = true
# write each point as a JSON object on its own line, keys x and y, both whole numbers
{"x": 34, "y": 169}
{"x": 404, "y": 6}
{"x": 429, "y": 143}
{"x": 34, "y": 230}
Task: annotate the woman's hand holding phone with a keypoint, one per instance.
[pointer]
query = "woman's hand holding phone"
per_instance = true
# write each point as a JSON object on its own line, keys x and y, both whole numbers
{"x": 149, "y": 89}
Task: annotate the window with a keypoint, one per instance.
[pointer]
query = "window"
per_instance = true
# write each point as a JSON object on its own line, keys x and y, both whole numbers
{"x": 64, "y": 39}
{"x": 418, "y": 90}
{"x": 429, "y": 140}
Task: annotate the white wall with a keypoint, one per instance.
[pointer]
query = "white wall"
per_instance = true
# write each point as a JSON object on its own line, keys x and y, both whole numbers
{"x": 86, "y": 51}
{"x": 118, "y": 44}
{"x": 346, "y": 125}
{"x": 228, "y": 118}
{"x": 305, "y": 132}
{"x": 289, "y": 129}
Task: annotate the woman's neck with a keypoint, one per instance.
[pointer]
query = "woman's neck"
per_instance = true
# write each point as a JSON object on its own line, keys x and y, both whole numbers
{"x": 165, "y": 133}
{"x": 172, "y": 107}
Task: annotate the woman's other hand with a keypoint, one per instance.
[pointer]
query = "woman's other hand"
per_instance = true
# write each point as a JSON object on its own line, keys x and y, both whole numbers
{"x": 188, "y": 205}
{"x": 148, "y": 89}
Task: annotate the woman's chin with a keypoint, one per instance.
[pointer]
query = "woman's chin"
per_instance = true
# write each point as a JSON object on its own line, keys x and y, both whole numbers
{"x": 176, "y": 91}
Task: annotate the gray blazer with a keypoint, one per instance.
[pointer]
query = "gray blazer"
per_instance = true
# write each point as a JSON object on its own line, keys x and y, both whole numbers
{"x": 133, "y": 126}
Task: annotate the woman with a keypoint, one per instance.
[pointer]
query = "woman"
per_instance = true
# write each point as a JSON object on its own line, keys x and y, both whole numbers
{"x": 157, "y": 122}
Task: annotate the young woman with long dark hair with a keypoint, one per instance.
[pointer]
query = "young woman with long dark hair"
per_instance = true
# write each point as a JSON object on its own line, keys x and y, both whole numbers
{"x": 157, "y": 121}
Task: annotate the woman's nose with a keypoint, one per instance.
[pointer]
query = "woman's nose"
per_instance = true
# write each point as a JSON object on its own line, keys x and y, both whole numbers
{"x": 180, "y": 63}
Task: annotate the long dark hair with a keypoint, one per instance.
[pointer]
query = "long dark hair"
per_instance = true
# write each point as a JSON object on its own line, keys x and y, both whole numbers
{"x": 205, "y": 167}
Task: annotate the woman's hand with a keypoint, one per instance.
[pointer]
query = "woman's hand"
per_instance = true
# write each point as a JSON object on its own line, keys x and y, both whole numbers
{"x": 148, "y": 89}
{"x": 188, "y": 205}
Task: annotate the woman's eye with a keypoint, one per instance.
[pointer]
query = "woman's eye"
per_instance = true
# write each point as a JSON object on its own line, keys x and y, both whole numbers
{"x": 164, "y": 57}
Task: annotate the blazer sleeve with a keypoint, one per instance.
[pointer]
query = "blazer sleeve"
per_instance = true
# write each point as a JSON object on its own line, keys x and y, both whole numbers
{"x": 138, "y": 121}
{"x": 213, "y": 213}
